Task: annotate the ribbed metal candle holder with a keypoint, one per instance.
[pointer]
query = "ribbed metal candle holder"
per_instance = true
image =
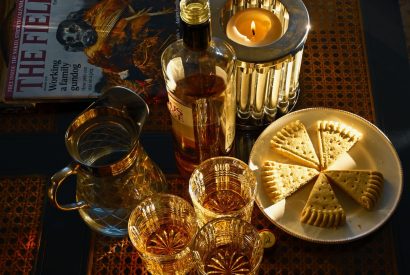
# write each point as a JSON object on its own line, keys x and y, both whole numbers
{"x": 267, "y": 77}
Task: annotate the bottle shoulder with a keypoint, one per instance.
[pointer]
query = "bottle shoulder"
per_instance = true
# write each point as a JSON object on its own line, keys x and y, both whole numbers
{"x": 218, "y": 48}
{"x": 186, "y": 71}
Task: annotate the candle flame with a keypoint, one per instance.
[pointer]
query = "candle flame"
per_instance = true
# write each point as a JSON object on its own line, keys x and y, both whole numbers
{"x": 253, "y": 28}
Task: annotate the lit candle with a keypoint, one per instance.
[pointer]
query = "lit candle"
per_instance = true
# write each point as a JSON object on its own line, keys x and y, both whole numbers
{"x": 254, "y": 27}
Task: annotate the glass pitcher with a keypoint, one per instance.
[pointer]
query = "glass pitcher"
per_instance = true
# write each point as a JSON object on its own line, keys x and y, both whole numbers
{"x": 114, "y": 173}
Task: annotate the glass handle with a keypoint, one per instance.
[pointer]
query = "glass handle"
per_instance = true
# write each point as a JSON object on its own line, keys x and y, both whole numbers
{"x": 56, "y": 180}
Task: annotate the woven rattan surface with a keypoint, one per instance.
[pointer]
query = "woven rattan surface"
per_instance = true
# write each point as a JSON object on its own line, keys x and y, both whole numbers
{"x": 21, "y": 207}
{"x": 334, "y": 71}
{"x": 28, "y": 119}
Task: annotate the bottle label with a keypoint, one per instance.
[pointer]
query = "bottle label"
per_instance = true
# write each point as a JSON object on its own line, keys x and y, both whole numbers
{"x": 183, "y": 115}
{"x": 180, "y": 112}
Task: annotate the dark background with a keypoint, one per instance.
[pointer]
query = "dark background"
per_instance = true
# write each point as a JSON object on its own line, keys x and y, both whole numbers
{"x": 390, "y": 79}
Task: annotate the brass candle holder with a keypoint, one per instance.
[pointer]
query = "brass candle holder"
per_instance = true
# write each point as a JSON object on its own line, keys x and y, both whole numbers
{"x": 267, "y": 73}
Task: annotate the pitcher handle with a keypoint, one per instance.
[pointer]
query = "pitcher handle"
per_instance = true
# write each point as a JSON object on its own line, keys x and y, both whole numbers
{"x": 56, "y": 180}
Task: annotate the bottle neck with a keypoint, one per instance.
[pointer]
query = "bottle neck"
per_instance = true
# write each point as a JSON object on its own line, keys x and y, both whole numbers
{"x": 196, "y": 37}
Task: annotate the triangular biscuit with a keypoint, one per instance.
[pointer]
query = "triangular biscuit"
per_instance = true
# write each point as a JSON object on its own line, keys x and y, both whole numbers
{"x": 281, "y": 179}
{"x": 322, "y": 207}
{"x": 334, "y": 139}
{"x": 364, "y": 186}
{"x": 293, "y": 142}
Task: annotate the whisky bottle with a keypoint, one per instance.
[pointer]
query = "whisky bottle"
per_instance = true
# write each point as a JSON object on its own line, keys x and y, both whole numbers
{"x": 198, "y": 71}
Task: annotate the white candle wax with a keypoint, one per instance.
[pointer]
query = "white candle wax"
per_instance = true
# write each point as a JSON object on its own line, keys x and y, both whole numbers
{"x": 254, "y": 27}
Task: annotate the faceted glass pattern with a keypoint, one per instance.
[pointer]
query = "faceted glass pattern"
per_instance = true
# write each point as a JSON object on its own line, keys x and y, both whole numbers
{"x": 228, "y": 246}
{"x": 162, "y": 228}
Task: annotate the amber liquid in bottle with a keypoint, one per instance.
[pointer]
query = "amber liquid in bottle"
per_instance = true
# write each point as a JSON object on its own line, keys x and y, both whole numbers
{"x": 205, "y": 93}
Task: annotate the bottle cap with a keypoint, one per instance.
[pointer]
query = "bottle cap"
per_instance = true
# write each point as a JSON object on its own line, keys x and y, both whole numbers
{"x": 194, "y": 12}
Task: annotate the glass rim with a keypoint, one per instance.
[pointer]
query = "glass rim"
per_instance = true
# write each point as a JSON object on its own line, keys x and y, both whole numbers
{"x": 221, "y": 157}
{"x": 194, "y": 197}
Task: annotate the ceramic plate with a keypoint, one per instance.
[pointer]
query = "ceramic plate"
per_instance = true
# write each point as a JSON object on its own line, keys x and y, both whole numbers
{"x": 373, "y": 151}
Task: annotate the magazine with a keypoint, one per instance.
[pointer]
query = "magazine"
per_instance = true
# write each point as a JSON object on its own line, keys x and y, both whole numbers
{"x": 67, "y": 50}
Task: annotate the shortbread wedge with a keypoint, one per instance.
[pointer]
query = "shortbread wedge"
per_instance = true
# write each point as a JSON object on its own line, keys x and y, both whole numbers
{"x": 364, "y": 186}
{"x": 280, "y": 180}
{"x": 322, "y": 208}
{"x": 335, "y": 139}
{"x": 293, "y": 141}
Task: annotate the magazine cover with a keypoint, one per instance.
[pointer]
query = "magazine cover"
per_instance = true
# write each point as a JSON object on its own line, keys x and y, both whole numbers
{"x": 75, "y": 49}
